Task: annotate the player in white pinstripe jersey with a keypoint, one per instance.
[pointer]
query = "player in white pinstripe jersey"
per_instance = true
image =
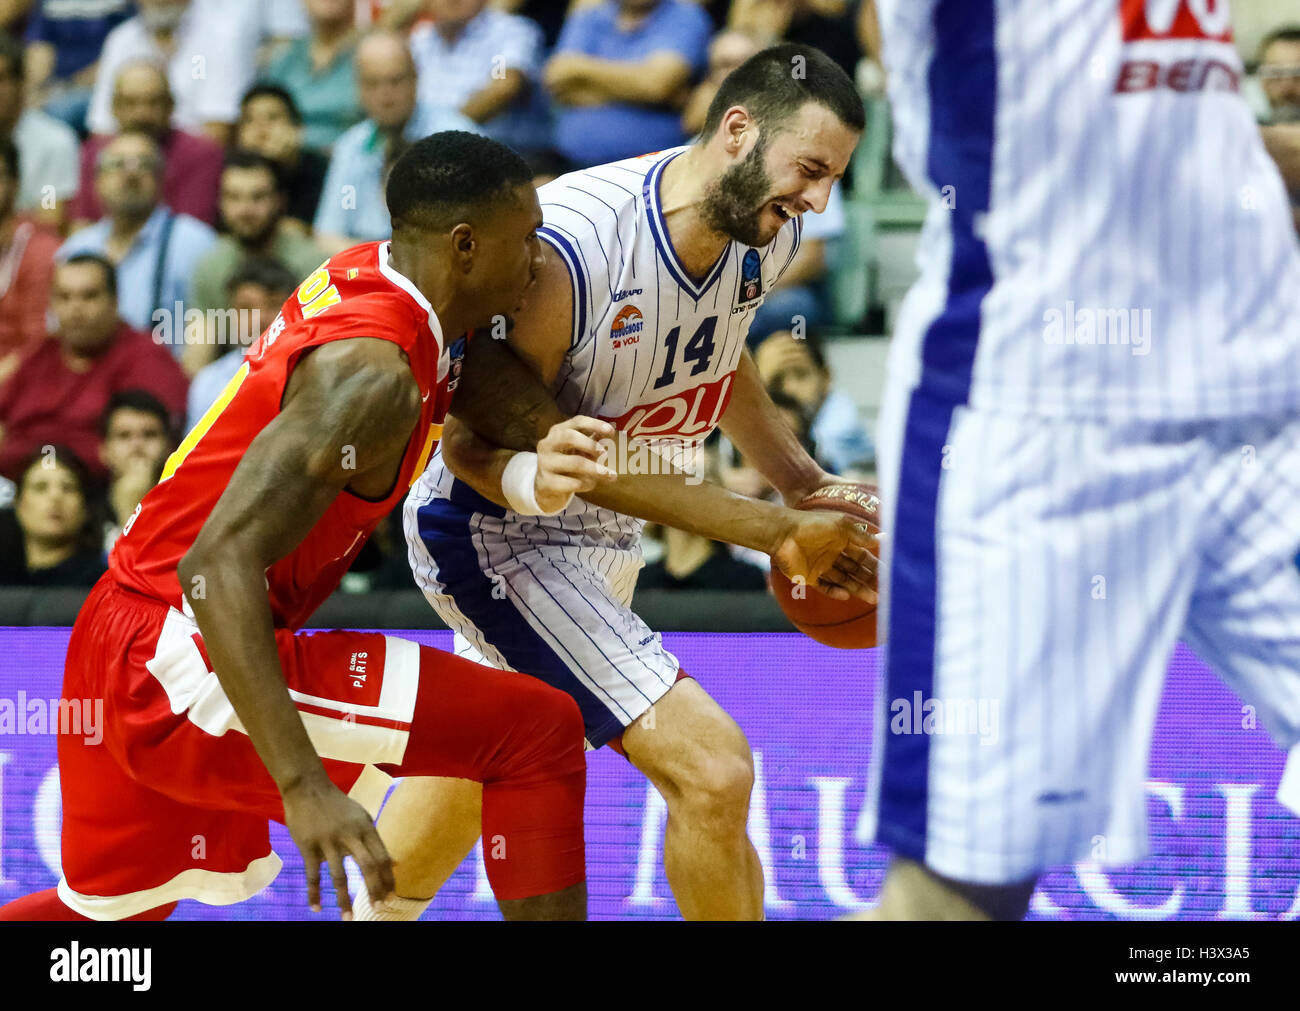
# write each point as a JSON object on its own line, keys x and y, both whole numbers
{"x": 1090, "y": 435}
{"x": 640, "y": 318}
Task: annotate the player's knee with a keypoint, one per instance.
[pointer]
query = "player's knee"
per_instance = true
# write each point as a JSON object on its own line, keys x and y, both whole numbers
{"x": 558, "y": 724}
{"x": 716, "y": 787}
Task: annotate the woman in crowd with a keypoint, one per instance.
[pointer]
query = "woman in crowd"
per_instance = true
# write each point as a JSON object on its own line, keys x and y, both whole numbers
{"x": 53, "y": 538}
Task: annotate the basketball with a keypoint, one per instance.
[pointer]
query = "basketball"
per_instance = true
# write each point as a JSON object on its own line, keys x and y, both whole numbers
{"x": 844, "y": 624}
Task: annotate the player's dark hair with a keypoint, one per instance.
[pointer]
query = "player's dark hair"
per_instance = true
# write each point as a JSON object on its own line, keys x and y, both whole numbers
{"x": 264, "y": 89}
{"x": 103, "y": 263}
{"x": 775, "y": 83}
{"x": 136, "y": 400}
{"x": 1289, "y": 32}
{"x": 447, "y": 174}
{"x": 242, "y": 158}
{"x": 11, "y": 52}
{"x": 264, "y": 271}
{"x": 9, "y": 155}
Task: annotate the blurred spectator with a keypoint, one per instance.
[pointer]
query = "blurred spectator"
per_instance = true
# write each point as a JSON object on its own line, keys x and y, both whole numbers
{"x": 26, "y": 267}
{"x": 800, "y": 299}
{"x": 352, "y": 207}
{"x": 138, "y": 438}
{"x": 1279, "y": 74}
{"x": 59, "y": 393}
{"x": 796, "y": 368}
{"x": 154, "y": 249}
{"x": 546, "y": 165}
{"x": 318, "y": 72}
{"x": 142, "y": 100}
{"x": 830, "y": 25}
{"x": 13, "y": 14}
{"x": 64, "y": 39}
{"x": 271, "y": 125}
{"x": 620, "y": 75}
{"x": 282, "y": 22}
{"x": 257, "y": 290}
{"x": 728, "y": 50}
{"x": 1278, "y": 106}
{"x": 47, "y": 148}
{"x": 57, "y": 543}
{"x": 252, "y": 211}
{"x": 548, "y": 15}
{"x": 209, "y": 57}
{"x": 487, "y": 65}
{"x": 693, "y": 562}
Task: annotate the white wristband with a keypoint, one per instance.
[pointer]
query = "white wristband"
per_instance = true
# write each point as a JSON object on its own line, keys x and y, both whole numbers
{"x": 519, "y": 484}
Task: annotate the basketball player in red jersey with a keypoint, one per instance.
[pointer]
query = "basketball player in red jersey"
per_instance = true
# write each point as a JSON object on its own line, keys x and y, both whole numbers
{"x": 219, "y": 713}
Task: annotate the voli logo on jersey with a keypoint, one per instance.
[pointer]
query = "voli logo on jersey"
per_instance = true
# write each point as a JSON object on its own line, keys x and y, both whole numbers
{"x": 627, "y": 326}
{"x": 691, "y": 414}
{"x": 1147, "y": 21}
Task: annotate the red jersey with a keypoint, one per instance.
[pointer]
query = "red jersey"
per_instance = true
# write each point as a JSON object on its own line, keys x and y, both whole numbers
{"x": 354, "y": 294}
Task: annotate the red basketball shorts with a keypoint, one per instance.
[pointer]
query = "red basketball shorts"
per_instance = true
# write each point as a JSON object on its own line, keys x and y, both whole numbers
{"x": 174, "y": 802}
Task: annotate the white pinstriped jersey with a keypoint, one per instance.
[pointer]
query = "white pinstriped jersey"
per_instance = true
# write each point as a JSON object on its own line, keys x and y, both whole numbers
{"x": 1104, "y": 215}
{"x": 653, "y": 351}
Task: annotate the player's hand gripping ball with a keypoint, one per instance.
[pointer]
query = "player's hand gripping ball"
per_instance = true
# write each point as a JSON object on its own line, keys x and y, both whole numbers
{"x": 844, "y": 624}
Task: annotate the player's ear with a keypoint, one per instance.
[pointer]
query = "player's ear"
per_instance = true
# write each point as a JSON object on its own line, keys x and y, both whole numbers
{"x": 736, "y": 125}
{"x": 463, "y": 246}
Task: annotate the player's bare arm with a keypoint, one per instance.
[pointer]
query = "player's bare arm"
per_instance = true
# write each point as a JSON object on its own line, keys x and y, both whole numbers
{"x": 756, "y": 428}
{"x": 501, "y": 404}
{"x": 348, "y": 414}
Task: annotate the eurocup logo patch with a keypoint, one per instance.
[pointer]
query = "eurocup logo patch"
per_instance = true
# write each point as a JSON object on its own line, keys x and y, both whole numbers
{"x": 751, "y": 276}
{"x": 456, "y": 356}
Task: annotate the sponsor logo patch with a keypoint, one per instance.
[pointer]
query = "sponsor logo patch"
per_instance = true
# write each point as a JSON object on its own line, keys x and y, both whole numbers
{"x": 627, "y": 326}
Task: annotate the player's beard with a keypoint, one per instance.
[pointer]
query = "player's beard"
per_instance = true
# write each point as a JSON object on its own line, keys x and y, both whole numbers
{"x": 734, "y": 202}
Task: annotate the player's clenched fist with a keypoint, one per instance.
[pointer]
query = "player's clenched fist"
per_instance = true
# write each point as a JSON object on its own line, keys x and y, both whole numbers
{"x": 568, "y": 462}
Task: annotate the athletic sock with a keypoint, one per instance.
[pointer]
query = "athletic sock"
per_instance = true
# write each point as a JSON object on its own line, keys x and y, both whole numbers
{"x": 398, "y": 908}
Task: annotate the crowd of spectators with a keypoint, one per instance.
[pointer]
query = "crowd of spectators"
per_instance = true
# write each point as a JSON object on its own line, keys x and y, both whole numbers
{"x": 164, "y": 162}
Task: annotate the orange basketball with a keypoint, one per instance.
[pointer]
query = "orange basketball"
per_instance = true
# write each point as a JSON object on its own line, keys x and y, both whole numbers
{"x": 844, "y": 624}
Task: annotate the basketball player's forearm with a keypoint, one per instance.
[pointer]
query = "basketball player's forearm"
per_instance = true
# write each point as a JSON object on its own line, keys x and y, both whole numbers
{"x": 474, "y": 460}
{"x": 756, "y": 428}
{"x": 502, "y": 400}
{"x": 677, "y": 500}
{"x": 699, "y": 508}
{"x": 234, "y": 617}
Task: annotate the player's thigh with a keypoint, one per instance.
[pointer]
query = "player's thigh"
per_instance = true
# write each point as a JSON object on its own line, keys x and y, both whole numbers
{"x": 127, "y": 848}
{"x": 1037, "y": 583}
{"x": 553, "y": 613}
{"x": 379, "y": 700}
{"x": 687, "y": 745}
{"x": 366, "y": 700}
{"x": 1245, "y": 614}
